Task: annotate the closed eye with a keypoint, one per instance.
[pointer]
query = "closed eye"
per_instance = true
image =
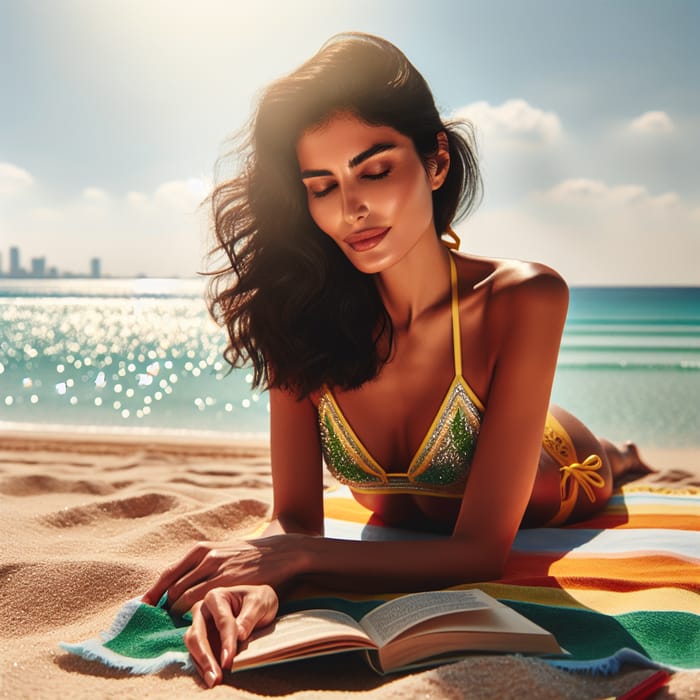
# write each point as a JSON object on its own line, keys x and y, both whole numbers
{"x": 317, "y": 194}
{"x": 377, "y": 176}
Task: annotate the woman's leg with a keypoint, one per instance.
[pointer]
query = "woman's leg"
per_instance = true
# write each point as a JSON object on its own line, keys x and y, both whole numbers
{"x": 615, "y": 463}
{"x": 624, "y": 459}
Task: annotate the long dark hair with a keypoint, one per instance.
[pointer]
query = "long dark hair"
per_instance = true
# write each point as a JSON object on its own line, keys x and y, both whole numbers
{"x": 293, "y": 304}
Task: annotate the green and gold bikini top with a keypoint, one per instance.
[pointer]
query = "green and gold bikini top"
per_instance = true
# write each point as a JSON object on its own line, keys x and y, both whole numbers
{"x": 441, "y": 464}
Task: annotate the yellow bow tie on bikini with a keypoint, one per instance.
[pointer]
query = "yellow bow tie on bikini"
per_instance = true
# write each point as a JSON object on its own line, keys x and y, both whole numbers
{"x": 575, "y": 475}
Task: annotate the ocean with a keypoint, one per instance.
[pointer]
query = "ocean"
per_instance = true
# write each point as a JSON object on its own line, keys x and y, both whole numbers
{"x": 142, "y": 355}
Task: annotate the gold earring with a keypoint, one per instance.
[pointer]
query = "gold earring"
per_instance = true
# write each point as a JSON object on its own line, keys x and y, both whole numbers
{"x": 452, "y": 244}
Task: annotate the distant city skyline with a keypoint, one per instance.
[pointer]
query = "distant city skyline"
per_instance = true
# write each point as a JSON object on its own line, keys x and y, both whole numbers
{"x": 38, "y": 268}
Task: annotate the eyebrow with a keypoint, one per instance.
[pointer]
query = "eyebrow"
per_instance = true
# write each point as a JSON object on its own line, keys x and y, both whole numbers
{"x": 354, "y": 161}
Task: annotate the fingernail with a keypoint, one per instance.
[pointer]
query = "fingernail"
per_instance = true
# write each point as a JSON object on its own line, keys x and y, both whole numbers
{"x": 210, "y": 678}
{"x": 225, "y": 656}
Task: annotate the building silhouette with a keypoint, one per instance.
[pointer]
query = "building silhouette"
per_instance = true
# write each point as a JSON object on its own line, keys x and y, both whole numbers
{"x": 38, "y": 267}
{"x": 15, "y": 269}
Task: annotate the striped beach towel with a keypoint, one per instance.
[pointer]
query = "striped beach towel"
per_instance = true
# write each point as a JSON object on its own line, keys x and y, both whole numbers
{"x": 623, "y": 587}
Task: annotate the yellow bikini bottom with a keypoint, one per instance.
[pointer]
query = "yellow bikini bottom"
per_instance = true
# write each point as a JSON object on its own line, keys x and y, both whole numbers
{"x": 575, "y": 475}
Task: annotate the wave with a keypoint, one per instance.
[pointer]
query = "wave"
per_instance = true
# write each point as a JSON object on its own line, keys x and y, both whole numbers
{"x": 682, "y": 366}
{"x": 623, "y": 348}
{"x": 89, "y": 430}
{"x": 104, "y": 288}
{"x": 633, "y": 322}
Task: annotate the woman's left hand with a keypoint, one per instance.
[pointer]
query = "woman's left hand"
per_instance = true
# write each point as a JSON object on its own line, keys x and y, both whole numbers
{"x": 225, "y": 617}
{"x": 274, "y": 561}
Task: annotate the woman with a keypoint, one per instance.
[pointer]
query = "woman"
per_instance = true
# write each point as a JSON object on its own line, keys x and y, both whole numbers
{"x": 386, "y": 354}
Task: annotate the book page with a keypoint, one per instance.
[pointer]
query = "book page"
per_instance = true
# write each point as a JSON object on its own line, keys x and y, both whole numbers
{"x": 301, "y": 633}
{"x": 392, "y": 618}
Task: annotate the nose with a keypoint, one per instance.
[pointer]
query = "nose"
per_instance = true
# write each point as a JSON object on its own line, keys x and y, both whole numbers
{"x": 355, "y": 206}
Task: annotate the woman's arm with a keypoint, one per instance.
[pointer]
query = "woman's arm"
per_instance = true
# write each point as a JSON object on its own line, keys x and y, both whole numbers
{"x": 297, "y": 516}
{"x": 526, "y": 322}
{"x": 297, "y": 470}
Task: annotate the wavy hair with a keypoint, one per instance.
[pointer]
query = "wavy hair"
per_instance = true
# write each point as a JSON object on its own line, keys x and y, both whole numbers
{"x": 292, "y": 303}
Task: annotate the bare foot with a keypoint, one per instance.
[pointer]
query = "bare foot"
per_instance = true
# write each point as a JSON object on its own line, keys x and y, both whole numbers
{"x": 636, "y": 463}
{"x": 625, "y": 460}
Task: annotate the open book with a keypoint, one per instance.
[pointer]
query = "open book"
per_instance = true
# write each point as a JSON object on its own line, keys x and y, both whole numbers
{"x": 414, "y": 630}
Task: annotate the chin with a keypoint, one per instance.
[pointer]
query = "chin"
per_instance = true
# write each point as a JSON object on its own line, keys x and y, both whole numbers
{"x": 370, "y": 264}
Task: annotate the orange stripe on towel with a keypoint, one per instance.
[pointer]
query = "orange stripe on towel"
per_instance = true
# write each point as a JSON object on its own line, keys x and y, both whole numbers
{"x": 623, "y": 520}
{"x": 613, "y": 573}
{"x": 346, "y": 509}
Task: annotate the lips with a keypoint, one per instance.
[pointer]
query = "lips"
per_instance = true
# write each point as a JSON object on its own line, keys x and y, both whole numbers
{"x": 367, "y": 238}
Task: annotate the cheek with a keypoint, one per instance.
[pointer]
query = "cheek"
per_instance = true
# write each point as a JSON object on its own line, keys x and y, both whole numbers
{"x": 406, "y": 198}
{"x": 418, "y": 199}
{"x": 322, "y": 214}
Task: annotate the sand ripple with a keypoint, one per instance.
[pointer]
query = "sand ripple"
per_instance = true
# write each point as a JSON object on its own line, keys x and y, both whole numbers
{"x": 38, "y": 484}
{"x": 134, "y": 507}
{"x": 226, "y": 521}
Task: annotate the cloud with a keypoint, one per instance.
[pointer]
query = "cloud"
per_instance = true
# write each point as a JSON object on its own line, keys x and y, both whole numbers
{"x": 182, "y": 195}
{"x": 514, "y": 120}
{"x": 13, "y": 180}
{"x": 95, "y": 195}
{"x": 159, "y": 233}
{"x": 594, "y": 232}
{"x": 136, "y": 199}
{"x": 652, "y": 123}
{"x": 46, "y": 215}
{"x": 631, "y": 221}
{"x": 579, "y": 191}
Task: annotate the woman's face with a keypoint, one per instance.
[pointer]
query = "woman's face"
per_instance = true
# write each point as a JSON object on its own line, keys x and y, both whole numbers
{"x": 368, "y": 189}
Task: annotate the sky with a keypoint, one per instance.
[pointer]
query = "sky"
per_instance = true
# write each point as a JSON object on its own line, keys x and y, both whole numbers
{"x": 587, "y": 114}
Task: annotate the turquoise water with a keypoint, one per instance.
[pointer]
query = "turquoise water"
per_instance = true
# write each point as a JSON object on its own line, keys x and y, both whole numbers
{"x": 143, "y": 355}
{"x": 629, "y": 364}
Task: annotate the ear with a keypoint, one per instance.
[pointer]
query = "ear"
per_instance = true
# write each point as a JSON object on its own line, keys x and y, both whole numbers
{"x": 439, "y": 164}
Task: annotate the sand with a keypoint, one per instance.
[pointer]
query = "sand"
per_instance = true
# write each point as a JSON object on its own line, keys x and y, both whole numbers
{"x": 89, "y": 521}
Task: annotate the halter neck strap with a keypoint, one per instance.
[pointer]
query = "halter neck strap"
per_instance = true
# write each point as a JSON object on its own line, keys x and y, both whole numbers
{"x": 456, "y": 331}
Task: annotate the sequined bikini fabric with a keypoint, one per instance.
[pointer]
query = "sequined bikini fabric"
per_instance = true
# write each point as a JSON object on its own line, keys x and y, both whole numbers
{"x": 441, "y": 464}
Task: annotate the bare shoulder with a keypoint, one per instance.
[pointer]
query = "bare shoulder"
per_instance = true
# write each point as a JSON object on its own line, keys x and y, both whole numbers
{"x": 530, "y": 299}
{"x": 516, "y": 294}
{"x": 509, "y": 282}
{"x": 530, "y": 283}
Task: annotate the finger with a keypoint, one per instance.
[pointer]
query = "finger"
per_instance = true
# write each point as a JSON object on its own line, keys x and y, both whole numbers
{"x": 181, "y": 604}
{"x": 258, "y": 608}
{"x": 197, "y": 640}
{"x": 202, "y": 673}
{"x": 219, "y": 603}
{"x": 194, "y": 584}
{"x": 173, "y": 573}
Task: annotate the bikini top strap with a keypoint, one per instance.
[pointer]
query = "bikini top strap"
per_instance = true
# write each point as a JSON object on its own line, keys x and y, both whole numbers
{"x": 456, "y": 330}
